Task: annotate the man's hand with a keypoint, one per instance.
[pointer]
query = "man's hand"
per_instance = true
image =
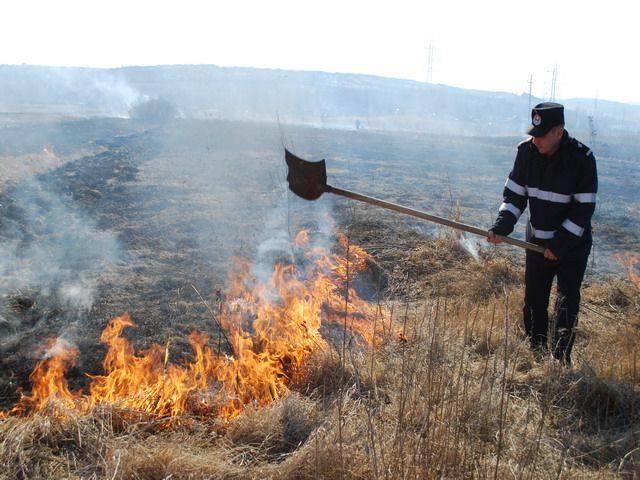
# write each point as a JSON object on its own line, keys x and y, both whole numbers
{"x": 549, "y": 255}
{"x": 493, "y": 238}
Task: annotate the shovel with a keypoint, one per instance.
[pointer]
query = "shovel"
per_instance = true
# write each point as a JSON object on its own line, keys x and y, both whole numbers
{"x": 309, "y": 181}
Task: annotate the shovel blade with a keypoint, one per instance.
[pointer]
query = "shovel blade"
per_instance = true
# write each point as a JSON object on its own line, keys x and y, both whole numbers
{"x": 306, "y": 179}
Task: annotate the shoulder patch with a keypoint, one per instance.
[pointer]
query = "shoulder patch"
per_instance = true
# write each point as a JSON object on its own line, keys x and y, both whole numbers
{"x": 526, "y": 141}
{"x": 581, "y": 147}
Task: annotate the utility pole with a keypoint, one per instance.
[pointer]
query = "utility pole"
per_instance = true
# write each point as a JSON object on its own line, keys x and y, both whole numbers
{"x": 554, "y": 78}
{"x": 430, "y": 63}
{"x": 530, "y": 86}
{"x": 592, "y": 123}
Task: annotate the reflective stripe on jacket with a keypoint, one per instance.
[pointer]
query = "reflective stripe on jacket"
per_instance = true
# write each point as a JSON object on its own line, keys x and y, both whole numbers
{"x": 560, "y": 191}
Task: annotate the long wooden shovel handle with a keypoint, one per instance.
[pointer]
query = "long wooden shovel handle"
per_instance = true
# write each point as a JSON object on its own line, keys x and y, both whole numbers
{"x": 429, "y": 217}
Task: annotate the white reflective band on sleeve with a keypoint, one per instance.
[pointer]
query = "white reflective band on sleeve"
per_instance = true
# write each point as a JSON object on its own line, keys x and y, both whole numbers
{"x": 573, "y": 228}
{"x": 549, "y": 196}
{"x": 514, "y": 187}
{"x": 511, "y": 208}
{"x": 541, "y": 234}
{"x": 585, "y": 197}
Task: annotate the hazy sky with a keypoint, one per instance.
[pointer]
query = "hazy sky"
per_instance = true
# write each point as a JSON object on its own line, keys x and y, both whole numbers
{"x": 488, "y": 45}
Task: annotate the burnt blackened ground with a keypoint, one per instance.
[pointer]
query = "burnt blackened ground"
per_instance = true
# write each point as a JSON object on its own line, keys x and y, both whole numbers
{"x": 83, "y": 230}
{"x": 62, "y": 230}
{"x": 149, "y": 226}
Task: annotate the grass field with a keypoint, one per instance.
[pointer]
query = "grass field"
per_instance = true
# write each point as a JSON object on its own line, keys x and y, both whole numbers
{"x": 414, "y": 364}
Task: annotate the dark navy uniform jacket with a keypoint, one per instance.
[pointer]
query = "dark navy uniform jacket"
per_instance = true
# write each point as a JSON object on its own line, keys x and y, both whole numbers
{"x": 561, "y": 193}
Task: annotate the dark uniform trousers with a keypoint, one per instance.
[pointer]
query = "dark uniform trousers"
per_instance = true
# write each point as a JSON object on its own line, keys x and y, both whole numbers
{"x": 539, "y": 275}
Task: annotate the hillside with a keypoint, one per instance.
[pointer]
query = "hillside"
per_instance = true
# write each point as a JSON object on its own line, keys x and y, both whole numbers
{"x": 314, "y": 98}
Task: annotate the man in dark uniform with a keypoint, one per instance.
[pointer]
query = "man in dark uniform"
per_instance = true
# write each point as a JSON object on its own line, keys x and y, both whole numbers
{"x": 556, "y": 175}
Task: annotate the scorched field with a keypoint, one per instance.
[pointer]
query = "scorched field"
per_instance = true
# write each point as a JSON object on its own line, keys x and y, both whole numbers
{"x": 168, "y": 309}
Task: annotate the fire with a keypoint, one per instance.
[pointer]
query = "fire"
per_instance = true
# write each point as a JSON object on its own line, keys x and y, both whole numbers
{"x": 49, "y": 384}
{"x": 271, "y": 330}
{"x": 630, "y": 260}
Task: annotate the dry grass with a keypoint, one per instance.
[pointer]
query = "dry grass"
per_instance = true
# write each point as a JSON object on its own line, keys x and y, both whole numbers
{"x": 459, "y": 396}
{"x": 17, "y": 168}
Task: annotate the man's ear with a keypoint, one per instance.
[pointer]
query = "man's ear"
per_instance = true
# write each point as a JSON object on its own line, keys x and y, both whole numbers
{"x": 559, "y": 130}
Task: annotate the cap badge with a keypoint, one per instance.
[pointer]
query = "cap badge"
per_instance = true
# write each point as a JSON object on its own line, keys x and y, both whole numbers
{"x": 537, "y": 119}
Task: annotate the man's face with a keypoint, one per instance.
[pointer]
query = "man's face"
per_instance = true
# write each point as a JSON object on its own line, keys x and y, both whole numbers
{"x": 549, "y": 143}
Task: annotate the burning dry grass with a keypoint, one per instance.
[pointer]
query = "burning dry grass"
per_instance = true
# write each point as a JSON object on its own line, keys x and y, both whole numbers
{"x": 452, "y": 391}
{"x": 271, "y": 327}
{"x": 459, "y": 396}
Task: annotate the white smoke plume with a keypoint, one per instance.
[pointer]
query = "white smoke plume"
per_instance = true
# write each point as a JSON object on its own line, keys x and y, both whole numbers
{"x": 47, "y": 246}
{"x": 290, "y": 216}
{"x": 471, "y": 245}
{"x": 60, "y": 345}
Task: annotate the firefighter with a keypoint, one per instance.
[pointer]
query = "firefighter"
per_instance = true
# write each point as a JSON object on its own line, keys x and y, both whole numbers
{"x": 555, "y": 175}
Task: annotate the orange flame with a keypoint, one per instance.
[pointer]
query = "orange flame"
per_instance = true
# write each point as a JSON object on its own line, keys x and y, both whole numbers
{"x": 630, "y": 260}
{"x": 271, "y": 328}
{"x": 49, "y": 385}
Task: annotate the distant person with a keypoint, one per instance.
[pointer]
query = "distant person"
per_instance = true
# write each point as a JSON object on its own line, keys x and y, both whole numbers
{"x": 556, "y": 176}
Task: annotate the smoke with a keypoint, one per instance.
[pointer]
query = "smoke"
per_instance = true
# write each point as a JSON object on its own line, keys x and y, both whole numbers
{"x": 81, "y": 91}
{"x": 104, "y": 91}
{"x": 59, "y": 347}
{"x": 471, "y": 245}
{"x": 47, "y": 246}
{"x": 113, "y": 95}
{"x": 78, "y": 295}
{"x": 284, "y": 222}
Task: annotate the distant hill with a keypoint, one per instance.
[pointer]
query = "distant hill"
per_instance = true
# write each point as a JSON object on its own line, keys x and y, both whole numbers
{"x": 313, "y": 98}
